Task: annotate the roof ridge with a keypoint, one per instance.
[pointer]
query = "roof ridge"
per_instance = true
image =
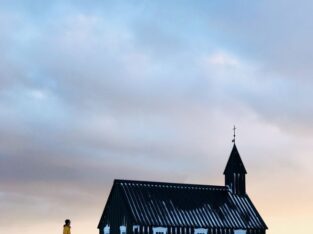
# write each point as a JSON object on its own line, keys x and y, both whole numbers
{"x": 155, "y": 183}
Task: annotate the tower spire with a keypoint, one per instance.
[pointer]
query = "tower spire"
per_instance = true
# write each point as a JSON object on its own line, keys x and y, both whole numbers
{"x": 235, "y": 173}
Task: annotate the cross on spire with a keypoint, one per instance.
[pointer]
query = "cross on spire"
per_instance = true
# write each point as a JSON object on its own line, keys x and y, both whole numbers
{"x": 234, "y": 129}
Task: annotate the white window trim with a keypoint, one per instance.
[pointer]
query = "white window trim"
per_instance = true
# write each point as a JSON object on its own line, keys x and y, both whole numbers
{"x": 122, "y": 229}
{"x": 135, "y": 227}
{"x": 201, "y": 231}
{"x": 106, "y": 229}
{"x": 159, "y": 229}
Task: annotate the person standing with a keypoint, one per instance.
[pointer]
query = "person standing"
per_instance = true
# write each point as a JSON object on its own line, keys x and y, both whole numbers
{"x": 67, "y": 227}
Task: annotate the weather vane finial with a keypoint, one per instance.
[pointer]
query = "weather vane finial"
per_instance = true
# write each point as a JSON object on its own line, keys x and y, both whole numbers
{"x": 234, "y": 134}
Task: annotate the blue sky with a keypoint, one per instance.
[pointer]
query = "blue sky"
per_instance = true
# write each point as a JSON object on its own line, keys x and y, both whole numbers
{"x": 96, "y": 90}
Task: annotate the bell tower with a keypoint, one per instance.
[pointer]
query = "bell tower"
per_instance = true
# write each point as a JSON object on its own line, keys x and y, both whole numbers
{"x": 235, "y": 173}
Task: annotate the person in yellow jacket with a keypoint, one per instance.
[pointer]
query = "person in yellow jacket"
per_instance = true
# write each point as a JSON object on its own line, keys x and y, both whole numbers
{"x": 67, "y": 227}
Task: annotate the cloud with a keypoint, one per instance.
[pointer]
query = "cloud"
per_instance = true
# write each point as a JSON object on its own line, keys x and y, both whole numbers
{"x": 92, "y": 91}
{"x": 222, "y": 59}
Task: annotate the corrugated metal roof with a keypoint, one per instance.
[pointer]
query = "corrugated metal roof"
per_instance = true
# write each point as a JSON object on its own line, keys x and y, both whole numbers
{"x": 187, "y": 205}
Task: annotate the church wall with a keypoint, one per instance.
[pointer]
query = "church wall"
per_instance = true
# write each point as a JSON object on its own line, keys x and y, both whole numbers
{"x": 116, "y": 214}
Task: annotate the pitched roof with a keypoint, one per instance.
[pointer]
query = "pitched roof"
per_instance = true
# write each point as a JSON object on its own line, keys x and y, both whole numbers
{"x": 235, "y": 163}
{"x": 189, "y": 205}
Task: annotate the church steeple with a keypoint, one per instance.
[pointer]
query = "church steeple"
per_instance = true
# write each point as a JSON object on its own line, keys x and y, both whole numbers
{"x": 235, "y": 173}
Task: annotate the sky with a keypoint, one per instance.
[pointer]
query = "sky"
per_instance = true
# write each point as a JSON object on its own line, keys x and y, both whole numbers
{"x": 96, "y": 90}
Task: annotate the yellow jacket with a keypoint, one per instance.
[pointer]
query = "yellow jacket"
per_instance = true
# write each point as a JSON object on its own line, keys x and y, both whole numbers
{"x": 66, "y": 230}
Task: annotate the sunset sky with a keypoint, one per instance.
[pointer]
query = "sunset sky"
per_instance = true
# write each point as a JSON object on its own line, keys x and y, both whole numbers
{"x": 96, "y": 90}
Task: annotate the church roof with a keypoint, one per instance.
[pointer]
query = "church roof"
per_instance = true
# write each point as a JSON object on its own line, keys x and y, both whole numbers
{"x": 235, "y": 164}
{"x": 187, "y": 205}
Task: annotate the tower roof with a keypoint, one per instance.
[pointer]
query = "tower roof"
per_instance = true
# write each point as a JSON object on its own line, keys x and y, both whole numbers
{"x": 235, "y": 163}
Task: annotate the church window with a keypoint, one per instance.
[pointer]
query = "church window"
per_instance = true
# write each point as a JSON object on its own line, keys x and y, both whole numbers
{"x": 106, "y": 229}
{"x": 201, "y": 231}
{"x": 159, "y": 230}
{"x": 122, "y": 229}
{"x": 240, "y": 231}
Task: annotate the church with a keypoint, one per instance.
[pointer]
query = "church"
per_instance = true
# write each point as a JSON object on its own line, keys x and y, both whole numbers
{"x": 146, "y": 207}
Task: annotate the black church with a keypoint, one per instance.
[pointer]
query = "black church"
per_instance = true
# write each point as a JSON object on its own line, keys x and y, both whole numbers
{"x": 144, "y": 207}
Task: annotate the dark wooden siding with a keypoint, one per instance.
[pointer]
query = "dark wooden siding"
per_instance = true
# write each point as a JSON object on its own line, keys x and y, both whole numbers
{"x": 116, "y": 213}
